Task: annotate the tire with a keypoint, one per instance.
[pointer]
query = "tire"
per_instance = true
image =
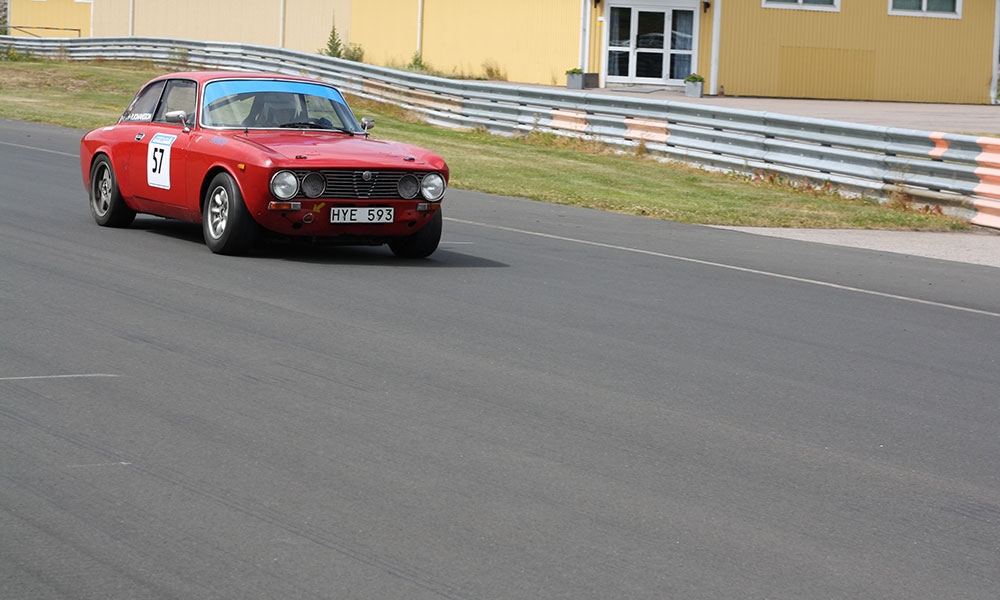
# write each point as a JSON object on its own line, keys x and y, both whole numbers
{"x": 106, "y": 203}
{"x": 226, "y": 222}
{"x": 422, "y": 243}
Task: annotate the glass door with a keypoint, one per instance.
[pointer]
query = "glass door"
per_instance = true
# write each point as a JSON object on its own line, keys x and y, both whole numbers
{"x": 649, "y": 45}
{"x": 642, "y": 50}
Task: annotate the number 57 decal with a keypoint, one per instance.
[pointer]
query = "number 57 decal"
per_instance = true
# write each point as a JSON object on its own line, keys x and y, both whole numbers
{"x": 158, "y": 160}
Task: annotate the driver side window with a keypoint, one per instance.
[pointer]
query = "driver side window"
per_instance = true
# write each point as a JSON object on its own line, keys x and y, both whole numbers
{"x": 180, "y": 95}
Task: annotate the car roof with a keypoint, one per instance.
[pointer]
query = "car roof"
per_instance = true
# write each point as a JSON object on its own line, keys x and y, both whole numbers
{"x": 203, "y": 76}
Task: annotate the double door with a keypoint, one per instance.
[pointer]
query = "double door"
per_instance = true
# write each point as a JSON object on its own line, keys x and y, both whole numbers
{"x": 650, "y": 43}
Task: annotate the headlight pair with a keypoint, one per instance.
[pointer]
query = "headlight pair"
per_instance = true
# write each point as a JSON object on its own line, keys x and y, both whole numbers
{"x": 285, "y": 185}
{"x": 431, "y": 187}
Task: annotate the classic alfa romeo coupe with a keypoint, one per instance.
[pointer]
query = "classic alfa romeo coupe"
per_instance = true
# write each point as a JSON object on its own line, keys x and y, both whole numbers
{"x": 245, "y": 152}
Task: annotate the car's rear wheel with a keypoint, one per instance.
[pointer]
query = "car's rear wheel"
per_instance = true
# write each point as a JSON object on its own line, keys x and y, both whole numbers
{"x": 226, "y": 222}
{"x": 422, "y": 243}
{"x": 106, "y": 203}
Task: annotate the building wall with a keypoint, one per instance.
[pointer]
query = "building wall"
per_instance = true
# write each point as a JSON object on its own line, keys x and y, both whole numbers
{"x": 307, "y": 22}
{"x": 531, "y": 41}
{"x": 50, "y": 13}
{"x": 385, "y": 29}
{"x": 255, "y": 22}
{"x": 704, "y": 64}
{"x": 858, "y": 53}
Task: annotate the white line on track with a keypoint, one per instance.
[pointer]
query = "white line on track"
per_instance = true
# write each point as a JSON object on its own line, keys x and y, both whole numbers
{"x": 731, "y": 268}
{"x": 117, "y": 464}
{"x": 79, "y": 375}
{"x": 40, "y": 149}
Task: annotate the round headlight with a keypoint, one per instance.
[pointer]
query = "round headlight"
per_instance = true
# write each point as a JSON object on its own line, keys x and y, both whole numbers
{"x": 284, "y": 185}
{"x": 408, "y": 187}
{"x": 432, "y": 187}
{"x": 313, "y": 185}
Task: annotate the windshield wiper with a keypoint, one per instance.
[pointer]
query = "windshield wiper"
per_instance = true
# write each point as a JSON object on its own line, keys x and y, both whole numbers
{"x": 311, "y": 125}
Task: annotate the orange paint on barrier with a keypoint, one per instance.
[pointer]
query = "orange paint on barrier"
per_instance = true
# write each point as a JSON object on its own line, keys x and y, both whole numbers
{"x": 991, "y": 152}
{"x": 642, "y": 129}
{"x": 989, "y": 182}
{"x": 436, "y": 101}
{"x": 940, "y": 144}
{"x": 572, "y": 120}
{"x": 988, "y": 213}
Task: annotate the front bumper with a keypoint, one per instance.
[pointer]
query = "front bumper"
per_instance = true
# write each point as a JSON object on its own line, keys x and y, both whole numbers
{"x": 312, "y": 218}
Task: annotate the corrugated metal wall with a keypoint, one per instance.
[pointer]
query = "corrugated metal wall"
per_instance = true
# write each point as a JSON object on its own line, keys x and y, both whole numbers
{"x": 858, "y": 53}
{"x": 704, "y": 65}
{"x": 111, "y": 18}
{"x": 53, "y": 13}
{"x": 385, "y": 29}
{"x": 307, "y": 23}
{"x": 529, "y": 40}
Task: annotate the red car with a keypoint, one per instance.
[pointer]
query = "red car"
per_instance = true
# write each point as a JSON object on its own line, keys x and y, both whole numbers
{"x": 245, "y": 152}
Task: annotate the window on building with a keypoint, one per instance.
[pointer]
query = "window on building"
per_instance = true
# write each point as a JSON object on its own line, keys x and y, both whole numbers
{"x": 833, "y": 5}
{"x": 951, "y": 9}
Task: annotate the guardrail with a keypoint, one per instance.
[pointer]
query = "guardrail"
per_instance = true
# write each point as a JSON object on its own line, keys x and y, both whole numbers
{"x": 960, "y": 173}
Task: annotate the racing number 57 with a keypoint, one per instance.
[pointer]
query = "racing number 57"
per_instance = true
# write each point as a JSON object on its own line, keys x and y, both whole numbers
{"x": 158, "y": 160}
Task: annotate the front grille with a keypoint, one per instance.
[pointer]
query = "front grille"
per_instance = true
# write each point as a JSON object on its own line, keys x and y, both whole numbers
{"x": 382, "y": 185}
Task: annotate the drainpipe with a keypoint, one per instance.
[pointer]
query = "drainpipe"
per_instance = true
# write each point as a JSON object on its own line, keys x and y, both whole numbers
{"x": 584, "y": 33}
{"x": 420, "y": 28}
{"x": 713, "y": 89}
{"x": 131, "y": 18}
{"x": 996, "y": 54}
{"x": 281, "y": 25}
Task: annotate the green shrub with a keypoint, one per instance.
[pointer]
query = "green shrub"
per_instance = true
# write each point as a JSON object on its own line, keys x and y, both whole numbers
{"x": 354, "y": 52}
{"x": 494, "y": 71}
{"x": 334, "y": 47}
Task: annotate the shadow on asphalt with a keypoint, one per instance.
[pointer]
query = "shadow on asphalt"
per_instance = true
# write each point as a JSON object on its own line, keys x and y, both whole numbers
{"x": 305, "y": 251}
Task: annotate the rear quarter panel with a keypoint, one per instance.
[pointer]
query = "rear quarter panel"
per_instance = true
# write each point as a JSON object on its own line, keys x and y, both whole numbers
{"x": 111, "y": 141}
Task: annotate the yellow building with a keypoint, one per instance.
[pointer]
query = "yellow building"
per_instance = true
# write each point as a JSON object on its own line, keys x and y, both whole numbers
{"x": 49, "y": 18}
{"x": 904, "y": 50}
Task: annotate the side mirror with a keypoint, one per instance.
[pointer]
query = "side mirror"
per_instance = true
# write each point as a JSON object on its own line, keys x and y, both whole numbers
{"x": 367, "y": 123}
{"x": 177, "y": 116}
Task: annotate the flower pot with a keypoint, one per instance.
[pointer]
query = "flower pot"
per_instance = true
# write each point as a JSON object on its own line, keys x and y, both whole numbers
{"x": 579, "y": 81}
{"x": 693, "y": 89}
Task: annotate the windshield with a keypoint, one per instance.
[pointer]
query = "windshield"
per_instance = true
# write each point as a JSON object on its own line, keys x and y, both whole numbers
{"x": 271, "y": 104}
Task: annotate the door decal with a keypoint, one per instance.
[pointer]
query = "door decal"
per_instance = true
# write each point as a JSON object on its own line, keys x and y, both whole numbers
{"x": 158, "y": 160}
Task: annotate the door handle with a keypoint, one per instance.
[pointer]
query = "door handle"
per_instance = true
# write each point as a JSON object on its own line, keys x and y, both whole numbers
{"x": 139, "y": 137}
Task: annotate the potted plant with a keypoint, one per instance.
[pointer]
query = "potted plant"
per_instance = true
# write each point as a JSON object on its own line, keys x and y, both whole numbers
{"x": 694, "y": 85}
{"x": 576, "y": 79}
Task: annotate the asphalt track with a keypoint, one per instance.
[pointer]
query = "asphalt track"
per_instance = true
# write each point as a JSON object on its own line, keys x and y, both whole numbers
{"x": 560, "y": 403}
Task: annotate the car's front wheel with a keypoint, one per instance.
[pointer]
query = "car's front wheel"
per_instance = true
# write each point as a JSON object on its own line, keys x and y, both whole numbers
{"x": 422, "y": 243}
{"x": 106, "y": 203}
{"x": 226, "y": 222}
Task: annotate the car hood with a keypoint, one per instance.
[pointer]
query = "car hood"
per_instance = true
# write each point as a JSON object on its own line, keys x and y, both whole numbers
{"x": 326, "y": 149}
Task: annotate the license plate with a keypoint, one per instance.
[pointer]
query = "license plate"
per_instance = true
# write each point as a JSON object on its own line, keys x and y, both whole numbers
{"x": 362, "y": 214}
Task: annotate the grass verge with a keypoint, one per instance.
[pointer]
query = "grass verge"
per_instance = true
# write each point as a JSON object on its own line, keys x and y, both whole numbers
{"x": 542, "y": 167}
